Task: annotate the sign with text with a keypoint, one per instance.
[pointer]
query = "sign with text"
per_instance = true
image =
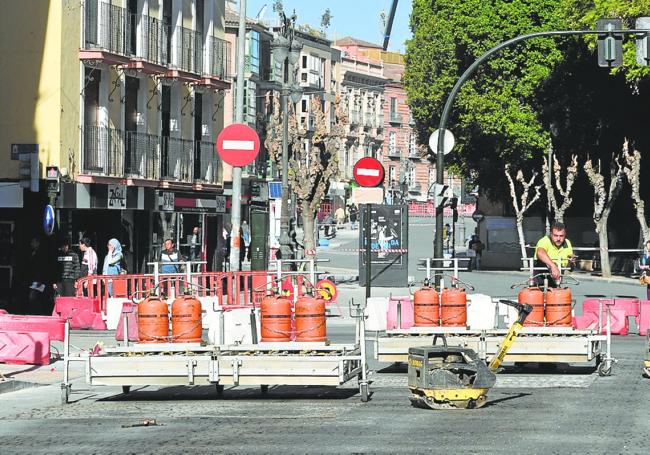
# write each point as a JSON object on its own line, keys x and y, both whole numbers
{"x": 167, "y": 201}
{"x": 221, "y": 204}
{"x": 117, "y": 197}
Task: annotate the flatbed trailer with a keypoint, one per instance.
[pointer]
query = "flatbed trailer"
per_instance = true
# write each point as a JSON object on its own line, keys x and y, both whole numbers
{"x": 534, "y": 344}
{"x": 189, "y": 364}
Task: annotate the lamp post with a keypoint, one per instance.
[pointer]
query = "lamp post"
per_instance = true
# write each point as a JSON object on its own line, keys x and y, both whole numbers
{"x": 286, "y": 49}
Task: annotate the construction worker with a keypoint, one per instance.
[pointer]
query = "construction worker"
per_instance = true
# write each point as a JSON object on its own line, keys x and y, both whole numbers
{"x": 552, "y": 248}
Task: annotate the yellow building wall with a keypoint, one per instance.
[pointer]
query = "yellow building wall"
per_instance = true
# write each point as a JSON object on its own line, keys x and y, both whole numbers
{"x": 152, "y": 109}
{"x": 114, "y": 103}
{"x": 70, "y": 87}
{"x": 187, "y": 106}
{"x": 154, "y": 8}
{"x": 30, "y": 80}
{"x": 186, "y": 9}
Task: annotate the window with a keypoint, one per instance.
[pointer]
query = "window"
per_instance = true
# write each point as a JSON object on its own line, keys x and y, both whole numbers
{"x": 392, "y": 143}
{"x": 412, "y": 144}
{"x": 253, "y": 52}
{"x": 391, "y": 174}
{"x": 393, "y": 107}
{"x": 431, "y": 179}
{"x": 250, "y": 101}
{"x": 304, "y": 62}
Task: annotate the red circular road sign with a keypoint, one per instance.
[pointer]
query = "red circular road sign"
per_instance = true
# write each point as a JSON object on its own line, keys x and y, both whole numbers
{"x": 238, "y": 144}
{"x": 368, "y": 172}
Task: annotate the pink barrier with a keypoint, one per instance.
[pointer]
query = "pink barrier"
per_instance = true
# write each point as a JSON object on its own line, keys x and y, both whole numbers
{"x": 21, "y": 348}
{"x": 52, "y": 325}
{"x": 82, "y": 312}
{"x": 644, "y": 317}
{"x": 407, "y": 313}
{"x": 629, "y": 305}
{"x": 589, "y": 321}
{"x": 131, "y": 310}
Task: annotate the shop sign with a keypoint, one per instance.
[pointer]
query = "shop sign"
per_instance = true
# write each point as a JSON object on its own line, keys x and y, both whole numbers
{"x": 117, "y": 197}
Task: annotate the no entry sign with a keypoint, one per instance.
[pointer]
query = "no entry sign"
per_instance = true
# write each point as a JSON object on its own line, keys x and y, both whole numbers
{"x": 238, "y": 144}
{"x": 368, "y": 172}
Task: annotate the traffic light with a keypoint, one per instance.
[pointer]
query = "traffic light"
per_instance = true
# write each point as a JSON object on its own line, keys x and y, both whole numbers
{"x": 610, "y": 45}
{"x": 28, "y": 170}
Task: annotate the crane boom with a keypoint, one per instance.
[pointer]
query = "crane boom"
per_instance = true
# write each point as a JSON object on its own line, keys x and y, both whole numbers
{"x": 389, "y": 24}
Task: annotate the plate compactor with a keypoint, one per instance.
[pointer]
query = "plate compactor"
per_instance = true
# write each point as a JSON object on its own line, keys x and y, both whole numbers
{"x": 452, "y": 377}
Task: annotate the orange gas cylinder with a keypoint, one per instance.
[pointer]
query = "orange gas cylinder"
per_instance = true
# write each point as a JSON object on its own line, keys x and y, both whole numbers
{"x": 453, "y": 311}
{"x": 310, "y": 319}
{"x": 275, "y": 314}
{"x": 534, "y": 297}
{"x": 186, "y": 320}
{"x": 558, "y": 307}
{"x": 426, "y": 307}
{"x": 153, "y": 320}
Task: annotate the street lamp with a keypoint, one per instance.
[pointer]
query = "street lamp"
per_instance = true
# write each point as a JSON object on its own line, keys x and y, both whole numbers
{"x": 284, "y": 47}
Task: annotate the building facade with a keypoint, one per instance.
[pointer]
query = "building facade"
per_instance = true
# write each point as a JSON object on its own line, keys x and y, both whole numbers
{"x": 123, "y": 98}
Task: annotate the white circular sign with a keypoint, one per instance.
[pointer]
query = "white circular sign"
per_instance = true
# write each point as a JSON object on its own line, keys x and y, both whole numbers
{"x": 448, "y": 145}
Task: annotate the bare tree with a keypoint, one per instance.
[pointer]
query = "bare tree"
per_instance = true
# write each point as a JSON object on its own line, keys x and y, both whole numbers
{"x": 310, "y": 167}
{"x": 565, "y": 192}
{"x": 632, "y": 171}
{"x": 603, "y": 202}
{"x": 521, "y": 205}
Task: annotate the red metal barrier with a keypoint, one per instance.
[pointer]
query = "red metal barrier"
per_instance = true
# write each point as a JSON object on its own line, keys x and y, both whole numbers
{"x": 52, "y": 325}
{"x": 21, "y": 348}
{"x": 82, "y": 312}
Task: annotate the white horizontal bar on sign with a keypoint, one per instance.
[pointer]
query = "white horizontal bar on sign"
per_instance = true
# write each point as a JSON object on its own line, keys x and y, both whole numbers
{"x": 369, "y": 172}
{"x": 238, "y": 145}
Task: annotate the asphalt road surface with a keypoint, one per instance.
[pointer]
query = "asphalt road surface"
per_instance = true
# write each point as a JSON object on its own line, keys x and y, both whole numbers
{"x": 529, "y": 411}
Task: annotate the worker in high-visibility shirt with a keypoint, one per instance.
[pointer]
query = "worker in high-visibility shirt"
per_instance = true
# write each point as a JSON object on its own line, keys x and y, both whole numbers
{"x": 552, "y": 247}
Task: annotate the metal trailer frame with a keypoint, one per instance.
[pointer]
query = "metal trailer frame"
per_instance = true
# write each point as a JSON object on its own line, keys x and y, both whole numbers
{"x": 263, "y": 364}
{"x": 534, "y": 344}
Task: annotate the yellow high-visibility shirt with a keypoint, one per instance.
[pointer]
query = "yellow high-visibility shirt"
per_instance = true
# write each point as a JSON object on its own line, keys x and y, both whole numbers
{"x": 563, "y": 252}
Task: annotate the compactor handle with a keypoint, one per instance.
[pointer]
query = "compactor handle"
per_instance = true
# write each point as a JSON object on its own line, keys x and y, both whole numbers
{"x": 523, "y": 309}
{"x": 444, "y": 339}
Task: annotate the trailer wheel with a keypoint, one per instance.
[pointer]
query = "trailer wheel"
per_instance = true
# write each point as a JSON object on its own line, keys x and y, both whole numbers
{"x": 264, "y": 389}
{"x": 220, "y": 390}
{"x": 65, "y": 393}
{"x": 605, "y": 368}
{"x": 364, "y": 392}
{"x": 126, "y": 389}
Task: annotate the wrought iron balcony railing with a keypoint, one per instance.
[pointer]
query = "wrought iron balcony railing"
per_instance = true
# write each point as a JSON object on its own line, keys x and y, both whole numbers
{"x": 153, "y": 41}
{"x": 189, "y": 45}
{"x": 219, "y": 53}
{"x": 103, "y": 151}
{"x": 142, "y": 157}
{"x": 106, "y": 27}
{"x": 177, "y": 159}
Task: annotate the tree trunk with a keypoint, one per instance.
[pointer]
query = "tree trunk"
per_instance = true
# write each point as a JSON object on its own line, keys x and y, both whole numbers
{"x": 308, "y": 233}
{"x": 603, "y": 242}
{"x": 522, "y": 241}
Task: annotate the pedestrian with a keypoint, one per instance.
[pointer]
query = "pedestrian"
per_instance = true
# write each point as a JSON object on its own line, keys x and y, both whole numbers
{"x": 328, "y": 222}
{"x": 112, "y": 262}
{"x": 644, "y": 264}
{"x": 340, "y": 217}
{"x": 68, "y": 270}
{"x": 353, "y": 213}
{"x": 552, "y": 249}
{"x": 246, "y": 237}
{"x": 88, "y": 262}
{"x": 170, "y": 258}
{"x": 39, "y": 289}
{"x": 474, "y": 251}
{"x": 195, "y": 248}
{"x": 446, "y": 235}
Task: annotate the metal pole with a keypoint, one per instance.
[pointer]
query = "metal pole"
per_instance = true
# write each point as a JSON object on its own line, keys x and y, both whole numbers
{"x": 235, "y": 214}
{"x": 440, "y": 160}
{"x": 367, "y": 246}
{"x": 550, "y": 179}
{"x": 285, "y": 241}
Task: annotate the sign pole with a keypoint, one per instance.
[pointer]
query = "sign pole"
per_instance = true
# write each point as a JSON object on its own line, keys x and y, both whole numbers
{"x": 368, "y": 245}
{"x": 235, "y": 214}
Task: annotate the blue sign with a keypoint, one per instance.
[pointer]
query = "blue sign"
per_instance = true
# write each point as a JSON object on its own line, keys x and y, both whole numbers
{"x": 275, "y": 190}
{"x": 48, "y": 220}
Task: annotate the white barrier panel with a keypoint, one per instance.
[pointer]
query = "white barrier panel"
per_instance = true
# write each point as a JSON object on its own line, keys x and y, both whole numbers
{"x": 377, "y": 313}
{"x": 481, "y": 312}
{"x": 236, "y": 326}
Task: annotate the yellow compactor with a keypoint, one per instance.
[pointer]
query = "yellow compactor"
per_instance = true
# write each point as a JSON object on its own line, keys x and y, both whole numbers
{"x": 452, "y": 377}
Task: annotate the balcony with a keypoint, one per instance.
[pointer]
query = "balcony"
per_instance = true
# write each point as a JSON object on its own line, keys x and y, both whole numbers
{"x": 414, "y": 155}
{"x": 106, "y": 36}
{"x": 177, "y": 159}
{"x": 154, "y": 41}
{"x": 208, "y": 165}
{"x": 395, "y": 118}
{"x": 219, "y": 54}
{"x": 414, "y": 187}
{"x": 142, "y": 155}
{"x": 368, "y": 120}
{"x": 103, "y": 151}
{"x": 189, "y": 48}
{"x": 394, "y": 153}
{"x": 380, "y": 122}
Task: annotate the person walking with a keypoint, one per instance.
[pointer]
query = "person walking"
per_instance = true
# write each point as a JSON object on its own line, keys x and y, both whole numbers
{"x": 340, "y": 217}
{"x": 474, "y": 251}
{"x": 551, "y": 249}
{"x": 644, "y": 264}
{"x": 246, "y": 237}
{"x": 39, "y": 289}
{"x": 353, "y": 213}
{"x": 67, "y": 272}
{"x": 195, "y": 248}
{"x": 170, "y": 255}
{"x": 112, "y": 262}
{"x": 88, "y": 262}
